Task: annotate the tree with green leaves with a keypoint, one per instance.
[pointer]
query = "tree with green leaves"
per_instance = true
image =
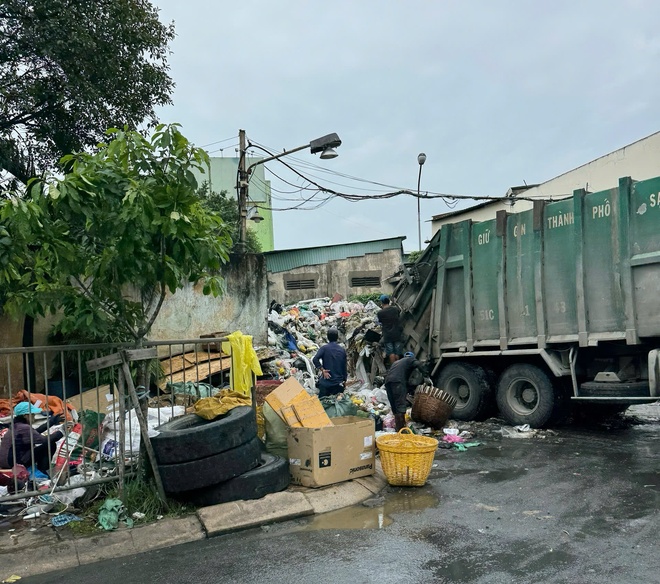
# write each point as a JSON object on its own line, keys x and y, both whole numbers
{"x": 69, "y": 70}
{"x": 106, "y": 242}
{"x": 227, "y": 208}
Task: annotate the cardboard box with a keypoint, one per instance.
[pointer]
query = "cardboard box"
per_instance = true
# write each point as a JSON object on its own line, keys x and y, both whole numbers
{"x": 287, "y": 394}
{"x": 291, "y": 402}
{"x": 332, "y": 454}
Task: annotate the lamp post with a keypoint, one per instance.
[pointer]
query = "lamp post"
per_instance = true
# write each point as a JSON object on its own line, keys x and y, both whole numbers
{"x": 325, "y": 146}
{"x": 421, "y": 159}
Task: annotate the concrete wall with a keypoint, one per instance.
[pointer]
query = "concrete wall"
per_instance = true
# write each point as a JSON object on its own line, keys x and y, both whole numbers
{"x": 640, "y": 160}
{"x": 334, "y": 277}
{"x": 12, "y": 365}
{"x": 184, "y": 315}
{"x": 244, "y": 306}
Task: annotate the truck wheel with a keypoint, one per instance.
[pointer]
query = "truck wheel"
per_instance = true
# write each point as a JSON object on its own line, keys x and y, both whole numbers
{"x": 191, "y": 437}
{"x": 469, "y": 385}
{"x": 272, "y": 475}
{"x": 526, "y": 395}
{"x": 196, "y": 474}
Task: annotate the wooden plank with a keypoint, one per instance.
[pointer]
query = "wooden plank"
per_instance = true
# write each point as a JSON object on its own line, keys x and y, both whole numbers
{"x": 142, "y": 354}
{"x": 172, "y": 365}
{"x": 203, "y": 369}
{"x": 187, "y": 360}
{"x": 144, "y": 429}
{"x": 93, "y": 399}
{"x": 103, "y": 362}
{"x": 115, "y": 359}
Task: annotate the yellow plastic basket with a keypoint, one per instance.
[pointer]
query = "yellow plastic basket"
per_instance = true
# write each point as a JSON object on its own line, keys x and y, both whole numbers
{"x": 406, "y": 457}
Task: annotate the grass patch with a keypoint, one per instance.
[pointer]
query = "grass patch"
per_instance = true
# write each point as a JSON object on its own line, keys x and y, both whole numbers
{"x": 85, "y": 527}
{"x": 140, "y": 496}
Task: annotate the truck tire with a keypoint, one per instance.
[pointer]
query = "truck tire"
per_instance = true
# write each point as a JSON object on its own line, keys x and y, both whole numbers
{"x": 271, "y": 476}
{"x": 196, "y": 474}
{"x": 191, "y": 437}
{"x": 470, "y": 386}
{"x": 603, "y": 389}
{"x": 526, "y": 395}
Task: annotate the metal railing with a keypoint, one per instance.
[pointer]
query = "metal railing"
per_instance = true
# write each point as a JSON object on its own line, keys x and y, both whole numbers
{"x": 100, "y": 436}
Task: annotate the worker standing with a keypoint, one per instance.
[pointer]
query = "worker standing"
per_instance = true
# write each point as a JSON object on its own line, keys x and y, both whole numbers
{"x": 388, "y": 317}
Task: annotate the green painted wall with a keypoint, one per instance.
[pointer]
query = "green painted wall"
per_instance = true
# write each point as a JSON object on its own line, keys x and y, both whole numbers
{"x": 222, "y": 177}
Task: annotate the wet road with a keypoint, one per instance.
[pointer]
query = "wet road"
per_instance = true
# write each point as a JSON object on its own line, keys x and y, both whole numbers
{"x": 577, "y": 505}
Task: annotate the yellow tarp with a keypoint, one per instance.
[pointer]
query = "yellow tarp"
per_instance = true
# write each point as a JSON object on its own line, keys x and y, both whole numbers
{"x": 244, "y": 362}
{"x": 212, "y": 407}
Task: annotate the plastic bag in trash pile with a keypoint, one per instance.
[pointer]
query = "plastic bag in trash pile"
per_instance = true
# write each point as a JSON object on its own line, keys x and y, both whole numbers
{"x": 338, "y": 405}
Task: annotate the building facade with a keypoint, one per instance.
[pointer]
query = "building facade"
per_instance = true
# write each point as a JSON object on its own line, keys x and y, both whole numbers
{"x": 347, "y": 269}
{"x": 221, "y": 176}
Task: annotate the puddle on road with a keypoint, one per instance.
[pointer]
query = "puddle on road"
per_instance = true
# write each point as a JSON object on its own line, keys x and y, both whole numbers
{"x": 361, "y": 517}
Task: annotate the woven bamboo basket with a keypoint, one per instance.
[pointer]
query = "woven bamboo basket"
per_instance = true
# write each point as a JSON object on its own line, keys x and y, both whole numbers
{"x": 406, "y": 457}
{"x": 432, "y": 406}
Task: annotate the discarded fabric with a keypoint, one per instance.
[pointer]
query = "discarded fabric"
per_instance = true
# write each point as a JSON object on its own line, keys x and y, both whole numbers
{"x": 210, "y": 408}
{"x": 63, "y": 519}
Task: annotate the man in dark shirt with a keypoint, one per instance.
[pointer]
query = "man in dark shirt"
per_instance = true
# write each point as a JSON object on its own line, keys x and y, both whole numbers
{"x": 398, "y": 381}
{"x": 331, "y": 360}
{"x": 388, "y": 316}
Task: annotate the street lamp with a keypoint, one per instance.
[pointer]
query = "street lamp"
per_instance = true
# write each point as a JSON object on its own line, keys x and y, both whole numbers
{"x": 325, "y": 146}
{"x": 253, "y": 215}
{"x": 421, "y": 159}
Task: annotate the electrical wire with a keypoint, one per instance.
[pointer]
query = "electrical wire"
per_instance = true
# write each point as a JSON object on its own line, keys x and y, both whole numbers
{"x": 450, "y": 199}
{"x": 222, "y": 149}
{"x": 218, "y": 142}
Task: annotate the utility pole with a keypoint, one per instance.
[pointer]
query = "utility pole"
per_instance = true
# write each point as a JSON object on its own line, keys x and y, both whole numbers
{"x": 242, "y": 192}
{"x": 324, "y": 146}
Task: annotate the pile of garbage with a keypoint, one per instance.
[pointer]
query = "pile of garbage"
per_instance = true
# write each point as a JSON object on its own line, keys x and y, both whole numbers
{"x": 296, "y": 332}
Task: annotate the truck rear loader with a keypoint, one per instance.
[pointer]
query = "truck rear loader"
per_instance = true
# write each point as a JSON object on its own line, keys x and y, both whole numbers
{"x": 533, "y": 310}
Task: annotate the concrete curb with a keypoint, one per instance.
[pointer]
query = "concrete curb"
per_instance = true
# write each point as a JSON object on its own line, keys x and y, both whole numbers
{"x": 30, "y": 554}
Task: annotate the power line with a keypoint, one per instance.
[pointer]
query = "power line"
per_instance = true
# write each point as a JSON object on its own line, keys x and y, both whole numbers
{"x": 219, "y": 142}
{"x": 450, "y": 199}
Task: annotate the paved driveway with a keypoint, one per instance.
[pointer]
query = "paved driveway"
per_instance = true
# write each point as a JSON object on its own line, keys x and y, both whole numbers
{"x": 578, "y": 505}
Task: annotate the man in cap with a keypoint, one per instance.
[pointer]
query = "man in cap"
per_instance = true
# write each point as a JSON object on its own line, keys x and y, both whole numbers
{"x": 23, "y": 435}
{"x": 404, "y": 375}
{"x": 388, "y": 317}
{"x": 331, "y": 360}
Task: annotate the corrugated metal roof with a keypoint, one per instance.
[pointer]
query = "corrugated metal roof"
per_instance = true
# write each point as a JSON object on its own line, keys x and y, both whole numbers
{"x": 288, "y": 259}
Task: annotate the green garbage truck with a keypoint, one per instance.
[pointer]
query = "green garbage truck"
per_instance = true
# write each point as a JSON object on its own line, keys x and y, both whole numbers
{"x": 536, "y": 310}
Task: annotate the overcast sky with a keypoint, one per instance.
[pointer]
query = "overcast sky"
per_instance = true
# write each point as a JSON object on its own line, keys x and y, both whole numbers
{"x": 496, "y": 93}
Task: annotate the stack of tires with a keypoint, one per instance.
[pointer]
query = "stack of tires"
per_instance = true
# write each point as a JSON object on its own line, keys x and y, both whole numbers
{"x": 208, "y": 462}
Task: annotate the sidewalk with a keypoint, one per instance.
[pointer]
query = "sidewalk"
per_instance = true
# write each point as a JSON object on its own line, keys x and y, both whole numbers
{"x": 47, "y": 549}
